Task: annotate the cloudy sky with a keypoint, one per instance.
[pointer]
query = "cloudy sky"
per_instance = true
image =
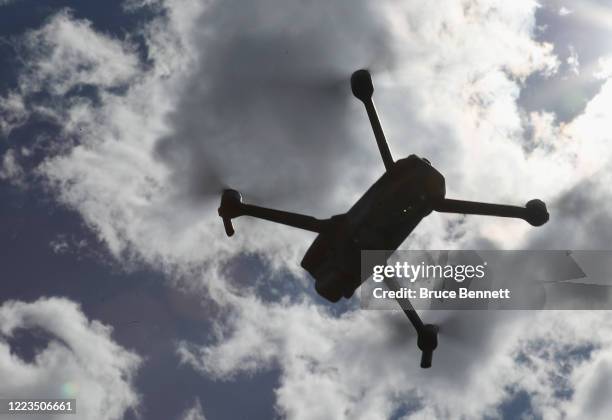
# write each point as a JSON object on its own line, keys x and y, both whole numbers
{"x": 120, "y": 122}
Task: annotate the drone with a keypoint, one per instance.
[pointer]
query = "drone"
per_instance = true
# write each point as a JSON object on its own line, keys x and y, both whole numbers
{"x": 408, "y": 191}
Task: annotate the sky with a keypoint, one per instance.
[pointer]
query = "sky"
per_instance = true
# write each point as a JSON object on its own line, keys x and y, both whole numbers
{"x": 120, "y": 123}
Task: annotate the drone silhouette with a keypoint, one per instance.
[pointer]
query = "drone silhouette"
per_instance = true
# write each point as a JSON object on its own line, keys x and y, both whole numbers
{"x": 409, "y": 190}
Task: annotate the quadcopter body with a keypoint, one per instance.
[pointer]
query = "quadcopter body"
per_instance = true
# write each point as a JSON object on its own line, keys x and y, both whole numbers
{"x": 381, "y": 219}
{"x": 409, "y": 190}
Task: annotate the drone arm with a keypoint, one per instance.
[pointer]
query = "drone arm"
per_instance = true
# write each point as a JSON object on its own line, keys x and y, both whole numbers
{"x": 448, "y": 205}
{"x": 385, "y": 153}
{"x": 534, "y": 212}
{"x": 406, "y": 306}
{"x": 427, "y": 334}
{"x": 232, "y": 206}
{"x": 361, "y": 85}
{"x": 290, "y": 219}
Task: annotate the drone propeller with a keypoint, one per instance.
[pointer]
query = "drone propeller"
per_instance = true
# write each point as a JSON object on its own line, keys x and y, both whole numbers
{"x": 452, "y": 326}
{"x": 458, "y": 328}
{"x": 444, "y": 324}
{"x": 427, "y": 334}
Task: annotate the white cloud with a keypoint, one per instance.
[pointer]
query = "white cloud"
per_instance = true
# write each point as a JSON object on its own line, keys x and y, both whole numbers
{"x": 573, "y": 62}
{"x": 195, "y": 412}
{"x": 592, "y": 388}
{"x": 114, "y": 173}
{"x": 72, "y": 53}
{"x": 10, "y": 170}
{"x": 257, "y": 95}
{"x": 365, "y": 364}
{"x": 12, "y": 112}
{"x": 81, "y": 361}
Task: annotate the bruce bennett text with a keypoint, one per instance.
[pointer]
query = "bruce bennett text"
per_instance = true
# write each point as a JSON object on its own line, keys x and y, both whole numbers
{"x": 425, "y": 293}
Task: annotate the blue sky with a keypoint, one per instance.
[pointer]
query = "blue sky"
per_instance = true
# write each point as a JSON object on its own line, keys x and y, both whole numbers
{"x": 120, "y": 122}
{"x": 142, "y": 310}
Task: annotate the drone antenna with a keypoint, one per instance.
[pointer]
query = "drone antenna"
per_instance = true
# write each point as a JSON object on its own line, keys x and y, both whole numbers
{"x": 362, "y": 87}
